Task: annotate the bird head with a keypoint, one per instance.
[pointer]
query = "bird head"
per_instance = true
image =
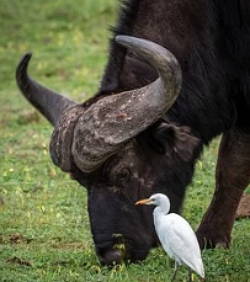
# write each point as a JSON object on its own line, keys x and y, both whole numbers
{"x": 156, "y": 200}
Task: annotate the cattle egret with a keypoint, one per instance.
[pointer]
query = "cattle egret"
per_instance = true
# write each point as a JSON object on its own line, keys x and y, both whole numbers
{"x": 175, "y": 234}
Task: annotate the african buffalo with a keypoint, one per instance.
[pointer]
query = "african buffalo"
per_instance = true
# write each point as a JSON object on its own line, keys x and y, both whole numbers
{"x": 155, "y": 110}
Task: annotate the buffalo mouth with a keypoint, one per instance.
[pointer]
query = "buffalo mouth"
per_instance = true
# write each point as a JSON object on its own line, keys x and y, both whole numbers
{"x": 111, "y": 257}
{"x": 118, "y": 254}
{"x": 121, "y": 249}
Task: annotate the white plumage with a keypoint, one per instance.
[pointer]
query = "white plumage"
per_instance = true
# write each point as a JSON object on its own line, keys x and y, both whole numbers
{"x": 175, "y": 234}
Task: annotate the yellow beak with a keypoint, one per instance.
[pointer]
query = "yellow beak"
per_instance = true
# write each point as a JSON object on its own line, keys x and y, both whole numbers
{"x": 143, "y": 202}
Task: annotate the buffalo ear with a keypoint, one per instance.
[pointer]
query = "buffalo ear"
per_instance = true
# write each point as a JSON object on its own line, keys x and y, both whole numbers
{"x": 173, "y": 140}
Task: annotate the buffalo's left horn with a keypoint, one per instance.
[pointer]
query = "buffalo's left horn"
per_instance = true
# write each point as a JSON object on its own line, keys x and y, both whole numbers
{"x": 113, "y": 120}
{"x": 49, "y": 103}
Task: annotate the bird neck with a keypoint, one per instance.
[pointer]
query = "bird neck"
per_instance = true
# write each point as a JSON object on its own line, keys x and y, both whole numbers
{"x": 164, "y": 208}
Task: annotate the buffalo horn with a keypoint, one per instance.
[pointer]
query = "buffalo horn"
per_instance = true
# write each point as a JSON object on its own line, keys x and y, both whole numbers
{"x": 49, "y": 103}
{"x": 113, "y": 120}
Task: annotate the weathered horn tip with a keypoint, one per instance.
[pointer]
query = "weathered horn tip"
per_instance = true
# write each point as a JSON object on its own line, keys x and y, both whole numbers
{"x": 156, "y": 55}
{"x": 22, "y": 66}
{"x": 138, "y": 43}
{"x": 24, "y": 61}
{"x": 126, "y": 40}
{"x": 27, "y": 55}
{"x": 121, "y": 38}
{"x": 146, "y": 49}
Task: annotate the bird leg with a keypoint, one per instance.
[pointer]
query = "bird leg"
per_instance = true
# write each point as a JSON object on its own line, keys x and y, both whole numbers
{"x": 232, "y": 177}
{"x": 190, "y": 272}
{"x": 175, "y": 271}
{"x": 190, "y": 275}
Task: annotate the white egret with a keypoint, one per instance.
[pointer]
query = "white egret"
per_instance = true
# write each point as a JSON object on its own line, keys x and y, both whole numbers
{"x": 175, "y": 234}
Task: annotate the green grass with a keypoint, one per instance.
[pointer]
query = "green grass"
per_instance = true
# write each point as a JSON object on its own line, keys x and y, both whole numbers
{"x": 44, "y": 227}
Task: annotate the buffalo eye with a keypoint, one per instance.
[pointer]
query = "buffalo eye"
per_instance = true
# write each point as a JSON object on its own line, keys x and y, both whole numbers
{"x": 123, "y": 176}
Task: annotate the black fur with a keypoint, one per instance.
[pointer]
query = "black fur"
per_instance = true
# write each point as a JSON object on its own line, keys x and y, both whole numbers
{"x": 205, "y": 98}
{"x": 211, "y": 40}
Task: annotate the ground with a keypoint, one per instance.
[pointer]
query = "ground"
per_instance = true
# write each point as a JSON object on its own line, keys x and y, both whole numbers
{"x": 44, "y": 227}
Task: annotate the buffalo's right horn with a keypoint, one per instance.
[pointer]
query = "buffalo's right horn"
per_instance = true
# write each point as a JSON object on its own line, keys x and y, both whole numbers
{"x": 49, "y": 103}
{"x": 113, "y": 120}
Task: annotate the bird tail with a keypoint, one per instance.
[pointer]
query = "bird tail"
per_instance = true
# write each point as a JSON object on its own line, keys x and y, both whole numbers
{"x": 199, "y": 269}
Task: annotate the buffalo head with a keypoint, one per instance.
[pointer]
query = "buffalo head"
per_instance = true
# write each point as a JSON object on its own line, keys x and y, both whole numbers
{"x": 121, "y": 149}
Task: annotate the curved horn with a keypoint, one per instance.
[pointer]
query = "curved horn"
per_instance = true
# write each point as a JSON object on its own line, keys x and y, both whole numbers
{"x": 49, "y": 103}
{"x": 110, "y": 122}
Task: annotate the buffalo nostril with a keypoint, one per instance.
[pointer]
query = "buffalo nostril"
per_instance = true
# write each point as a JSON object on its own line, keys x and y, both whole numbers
{"x": 112, "y": 257}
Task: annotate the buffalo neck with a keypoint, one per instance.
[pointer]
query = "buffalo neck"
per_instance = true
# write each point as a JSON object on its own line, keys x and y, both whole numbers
{"x": 205, "y": 103}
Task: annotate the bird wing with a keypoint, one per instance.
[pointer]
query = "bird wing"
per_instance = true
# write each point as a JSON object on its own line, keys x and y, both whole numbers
{"x": 179, "y": 240}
